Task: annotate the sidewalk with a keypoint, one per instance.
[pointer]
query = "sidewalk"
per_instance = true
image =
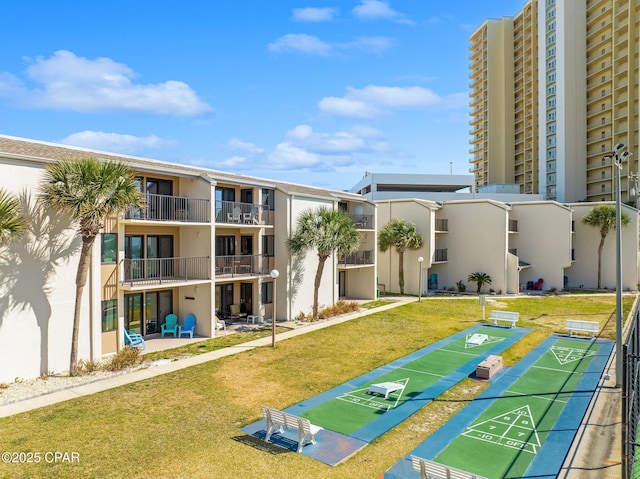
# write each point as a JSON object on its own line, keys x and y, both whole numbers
{"x": 161, "y": 367}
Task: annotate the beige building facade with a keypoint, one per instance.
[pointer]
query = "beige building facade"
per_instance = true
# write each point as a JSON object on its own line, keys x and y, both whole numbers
{"x": 561, "y": 100}
{"x": 523, "y": 247}
{"x": 206, "y": 241}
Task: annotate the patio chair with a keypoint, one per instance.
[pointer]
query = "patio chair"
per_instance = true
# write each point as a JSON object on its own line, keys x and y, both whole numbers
{"x": 234, "y": 216}
{"x": 170, "y": 325}
{"x": 133, "y": 339}
{"x": 235, "y": 311}
{"x": 188, "y": 327}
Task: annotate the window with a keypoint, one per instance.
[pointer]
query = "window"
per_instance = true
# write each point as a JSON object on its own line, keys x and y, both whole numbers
{"x": 225, "y": 245}
{"x": 109, "y": 248}
{"x": 268, "y": 198}
{"x": 268, "y": 245}
{"x": 109, "y": 315}
{"x": 267, "y": 292}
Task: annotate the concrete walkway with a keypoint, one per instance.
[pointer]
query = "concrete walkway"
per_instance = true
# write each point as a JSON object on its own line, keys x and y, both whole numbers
{"x": 595, "y": 452}
{"x": 161, "y": 367}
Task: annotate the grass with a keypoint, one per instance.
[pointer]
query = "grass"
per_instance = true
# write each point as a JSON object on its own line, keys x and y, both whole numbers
{"x": 187, "y": 423}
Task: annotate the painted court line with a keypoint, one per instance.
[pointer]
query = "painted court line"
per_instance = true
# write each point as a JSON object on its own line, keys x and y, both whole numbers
{"x": 541, "y": 425}
{"x": 346, "y": 431}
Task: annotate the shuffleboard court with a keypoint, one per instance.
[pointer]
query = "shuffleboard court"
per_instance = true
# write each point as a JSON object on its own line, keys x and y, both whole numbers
{"x": 352, "y": 416}
{"x": 523, "y": 425}
{"x": 351, "y": 410}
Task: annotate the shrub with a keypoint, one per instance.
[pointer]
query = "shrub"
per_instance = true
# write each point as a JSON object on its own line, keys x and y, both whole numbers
{"x": 125, "y": 358}
{"x": 87, "y": 367}
{"x": 461, "y": 286}
{"x": 341, "y": 307}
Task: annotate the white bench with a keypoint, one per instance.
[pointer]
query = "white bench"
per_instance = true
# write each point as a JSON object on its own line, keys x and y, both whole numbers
{"x": 433, "y": 470}
{"x": 590, "y": 327}
{"x": 277, "y": 419}
{"x": 505, "y": 316}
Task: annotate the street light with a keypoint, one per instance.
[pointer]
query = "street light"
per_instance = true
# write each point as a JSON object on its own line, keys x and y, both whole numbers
{"x": 274, "y": 274}
{"x": 618, "y": 158}
{"x": 420, "y": 260}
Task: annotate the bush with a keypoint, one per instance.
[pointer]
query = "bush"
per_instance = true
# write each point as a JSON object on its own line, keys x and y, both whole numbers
{"x": 125, "y": 358}
{"x": 87, "y": 367}
{"x": 341, "y": 307}
{"x": 461, "y": 286}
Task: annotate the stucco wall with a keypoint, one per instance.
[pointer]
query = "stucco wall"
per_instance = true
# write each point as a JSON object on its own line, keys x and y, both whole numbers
{"x": 583, "y": 271}
{"x": 476, "y": 242}
{"x": 37, "y": 288}
{"x": 543, "y": 240}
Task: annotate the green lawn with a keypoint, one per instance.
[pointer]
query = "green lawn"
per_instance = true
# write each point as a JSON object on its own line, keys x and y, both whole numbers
{"x": 187, "y": 424}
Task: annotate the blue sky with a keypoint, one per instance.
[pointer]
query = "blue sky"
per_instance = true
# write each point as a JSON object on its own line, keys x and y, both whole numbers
{"x": 306, "y": 91}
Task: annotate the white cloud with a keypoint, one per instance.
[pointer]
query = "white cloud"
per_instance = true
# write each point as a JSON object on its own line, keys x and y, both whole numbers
{"x": 379, "y": 10}
{"x": 115, "y": 142}
{"x": 236, "y": 144}
{"x": 301, "y": 43}
{"x": 348, "y": 107}
{"x": 373, "y": 100}
{"x": 68, "y": 82}
{"x": 307, "y": 150}
{"x": 314, "y": 14}
{"x": 312, "y": 45}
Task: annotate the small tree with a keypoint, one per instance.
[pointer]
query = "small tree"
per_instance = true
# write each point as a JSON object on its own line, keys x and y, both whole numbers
{"x": 402, "y": 235}
{"x": 88, "y": 191}
{"x": 327, "y": 231}
{"x": 603, "y": 217}
{"x": 480, "y": 279}
{"x": 12, "y": 221}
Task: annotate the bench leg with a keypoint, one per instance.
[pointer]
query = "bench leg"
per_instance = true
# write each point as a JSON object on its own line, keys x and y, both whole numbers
{"x": 271, "y": 429}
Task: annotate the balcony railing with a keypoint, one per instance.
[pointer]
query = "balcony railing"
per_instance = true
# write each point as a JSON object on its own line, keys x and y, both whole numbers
{"x": 165, "y": 270}
{"x": 171, "y": 208}
{"x": 359, "y": 257}
{"x": 442, "y": 224}
{"x": 243, "y": 265}
{"x": 513, "y": 226}
{"x": 232, "y": 212}
{"x": 362, "y": 221}
{"x": 440, "y": 255}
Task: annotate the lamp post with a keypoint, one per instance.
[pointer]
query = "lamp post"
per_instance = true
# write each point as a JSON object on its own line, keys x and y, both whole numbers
{"x": 420, "y": 260}
{"x": 274, "y": 274}
{"x": 618, "y": 157}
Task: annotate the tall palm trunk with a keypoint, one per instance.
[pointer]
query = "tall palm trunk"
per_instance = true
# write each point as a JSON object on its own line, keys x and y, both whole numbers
{"x": 322, "y": 259}
{"x": 401, "y": 271}
{"x": 600, "y": 246}
{"x": 81, "y": 281}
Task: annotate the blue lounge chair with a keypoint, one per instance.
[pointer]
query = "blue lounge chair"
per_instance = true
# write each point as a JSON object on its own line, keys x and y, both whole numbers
{"x": 133, "y": 339}
{"x": 188, "y": 327}
{"x": 170, "y": 325}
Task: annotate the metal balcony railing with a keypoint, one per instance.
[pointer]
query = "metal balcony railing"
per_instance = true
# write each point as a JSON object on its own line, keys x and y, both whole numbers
{"x": 362, "y": 221}
{"x": 440, "y": 255}
{"x": 243, "y": 265}
{"x": 442, "y": 224}
{"x": 171, "y": 208}
{"x": 232, "y": 212}
{"x": 165, "y": 270}
{"x": 356, "y": 258}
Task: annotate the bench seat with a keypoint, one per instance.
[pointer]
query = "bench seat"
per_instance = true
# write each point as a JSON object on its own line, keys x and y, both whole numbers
{"x": 276, "y": 420}
{"x": 576, "y": 325}
{"x": 504, "y": 316}
{"x": 430, "y": 469}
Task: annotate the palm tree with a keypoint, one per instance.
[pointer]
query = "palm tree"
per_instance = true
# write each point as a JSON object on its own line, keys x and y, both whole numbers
{"x": 603, "y": 217}
{"x": 402, "y": 235}
{"x": 480, "y": 278}
{"x": 327, "y": 231}
{"x": 12, "y": 221}
{"x": 88, "y": 191}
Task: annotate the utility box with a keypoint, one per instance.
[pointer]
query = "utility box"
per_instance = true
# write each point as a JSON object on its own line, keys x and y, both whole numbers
{"x": 489, "y": 367}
